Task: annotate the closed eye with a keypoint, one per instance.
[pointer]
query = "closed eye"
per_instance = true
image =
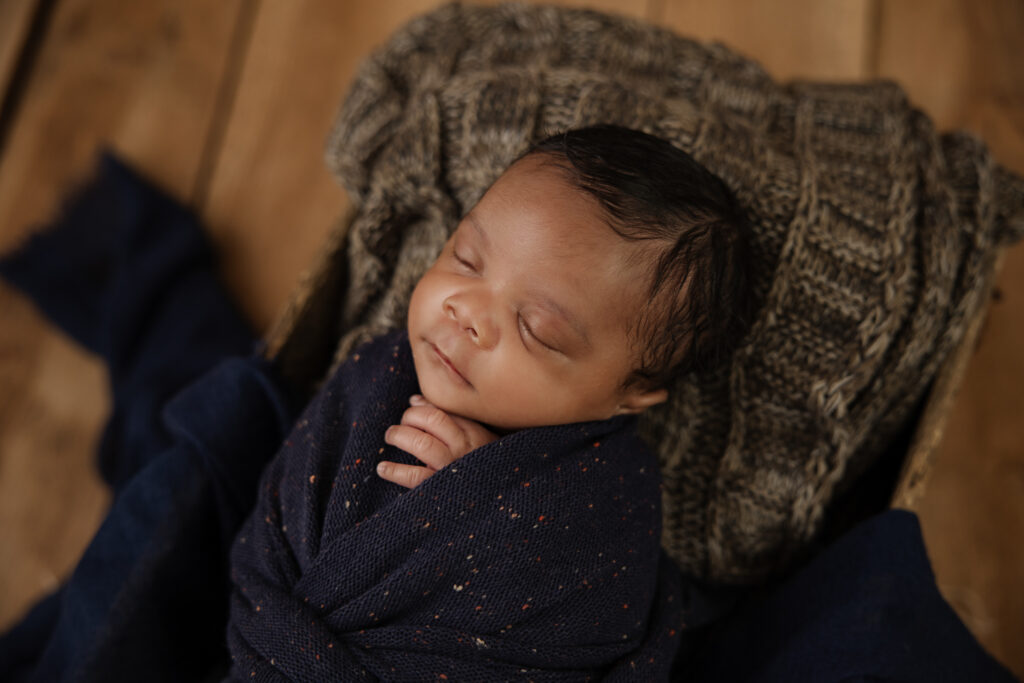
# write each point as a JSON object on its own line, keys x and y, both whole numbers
{"x": 527, "y": 333}
{"x": 461, "y": 260}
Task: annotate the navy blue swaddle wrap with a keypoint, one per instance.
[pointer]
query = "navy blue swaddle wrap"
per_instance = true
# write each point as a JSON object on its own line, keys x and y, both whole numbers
{"x": 536, "y": 556}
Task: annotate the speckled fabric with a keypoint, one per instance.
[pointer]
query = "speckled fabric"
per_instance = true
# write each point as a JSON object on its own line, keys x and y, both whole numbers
{"x": 872, "y": 237}
{"x": 535, "y": 557}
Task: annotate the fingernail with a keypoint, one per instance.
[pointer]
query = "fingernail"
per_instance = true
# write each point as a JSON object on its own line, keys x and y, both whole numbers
{"x": 416, "y": 400}
{"x": 382, "y": 468}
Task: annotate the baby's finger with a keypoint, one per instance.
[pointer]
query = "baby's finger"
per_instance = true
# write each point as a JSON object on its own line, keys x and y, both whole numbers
{"x": 425, "y": 447}
{"x": 409, "y": 476}
{"x": 439, "y": 424}
{"x": 475, "y": 433}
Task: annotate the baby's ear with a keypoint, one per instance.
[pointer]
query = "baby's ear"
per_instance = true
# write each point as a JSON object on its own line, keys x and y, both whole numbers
{"x": 639, "y": 400}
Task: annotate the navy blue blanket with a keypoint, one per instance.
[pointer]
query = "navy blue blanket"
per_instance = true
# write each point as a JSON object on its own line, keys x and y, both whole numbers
{"x": 535, "y": 556}
{"x": 866, "y": 609}
{"x": 127, "y": 272}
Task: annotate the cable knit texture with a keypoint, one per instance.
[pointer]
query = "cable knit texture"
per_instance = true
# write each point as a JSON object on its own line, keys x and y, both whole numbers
{"x": 533, "y": 557}
{"x": 872, "y": 235}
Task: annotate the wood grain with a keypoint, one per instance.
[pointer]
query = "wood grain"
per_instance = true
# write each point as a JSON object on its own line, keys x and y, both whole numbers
{"x": 812, "y": 39}
{"x": 962, "y": 63}
{"x": 144, "y": 78}
{"x": 141, "y": 77}
{"x": 919, "y": 462}
{"x": 271, "y": 199}
{"x": 228, "y": 104}
{"x": 15, "y": 19}
{"x": 52, "y": 404}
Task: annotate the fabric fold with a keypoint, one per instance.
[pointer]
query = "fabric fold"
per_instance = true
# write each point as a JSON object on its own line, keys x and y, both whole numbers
{"x": 128, "y": 273}
{"x": 536, "y": 555}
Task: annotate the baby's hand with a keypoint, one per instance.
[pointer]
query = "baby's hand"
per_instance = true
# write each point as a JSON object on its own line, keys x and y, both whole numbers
{"x": 433, "y": 437}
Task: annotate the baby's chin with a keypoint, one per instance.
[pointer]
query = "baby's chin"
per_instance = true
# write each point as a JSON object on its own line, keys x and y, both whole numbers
{"x": 466, "y": 410}
{"x": 493, "y": 420}
{"x": 461, "y": 409}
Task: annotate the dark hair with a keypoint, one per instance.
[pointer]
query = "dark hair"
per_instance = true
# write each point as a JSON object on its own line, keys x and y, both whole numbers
{"x": 700, "y": 301}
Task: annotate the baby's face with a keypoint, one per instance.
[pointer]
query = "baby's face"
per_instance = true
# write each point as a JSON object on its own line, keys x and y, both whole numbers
{"x": 523, "y": 319}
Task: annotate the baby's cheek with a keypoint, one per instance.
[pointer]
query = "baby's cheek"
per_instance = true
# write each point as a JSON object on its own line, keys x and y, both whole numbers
{"x": 415, "y": 316}
{"x": 525, "y": 404}
{"x": 578, "y": 399}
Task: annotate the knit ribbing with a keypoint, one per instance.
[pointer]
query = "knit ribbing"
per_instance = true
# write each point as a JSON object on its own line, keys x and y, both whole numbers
{"x": 872, "y": 236}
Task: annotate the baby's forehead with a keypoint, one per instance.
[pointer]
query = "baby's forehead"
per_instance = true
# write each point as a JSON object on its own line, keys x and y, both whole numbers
{"x": 616, "y": 296}
{"x": 535, "y": 214}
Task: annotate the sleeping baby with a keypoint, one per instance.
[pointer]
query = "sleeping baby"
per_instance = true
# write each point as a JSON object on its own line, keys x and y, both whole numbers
{"x": 468, "y": 499}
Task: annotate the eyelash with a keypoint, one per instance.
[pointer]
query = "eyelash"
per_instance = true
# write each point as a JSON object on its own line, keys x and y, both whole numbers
{"x": 462, "y": 261}
{"x": 523, "y": 325}
{"x": 522, "y": 321}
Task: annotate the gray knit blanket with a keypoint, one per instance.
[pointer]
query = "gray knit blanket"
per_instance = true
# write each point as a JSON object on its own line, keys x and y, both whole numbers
{"x": 872, "y": 233}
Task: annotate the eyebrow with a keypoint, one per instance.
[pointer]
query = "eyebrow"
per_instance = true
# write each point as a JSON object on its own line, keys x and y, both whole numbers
{"x": 479, "y": 231}
{"x": 573, "y": 322}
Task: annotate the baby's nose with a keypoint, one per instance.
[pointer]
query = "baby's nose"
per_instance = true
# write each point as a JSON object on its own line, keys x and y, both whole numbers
{"x": 474, "y": 318}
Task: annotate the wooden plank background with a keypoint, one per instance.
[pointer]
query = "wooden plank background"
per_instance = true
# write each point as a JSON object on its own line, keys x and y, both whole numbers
{"x": 227, "y": 106}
